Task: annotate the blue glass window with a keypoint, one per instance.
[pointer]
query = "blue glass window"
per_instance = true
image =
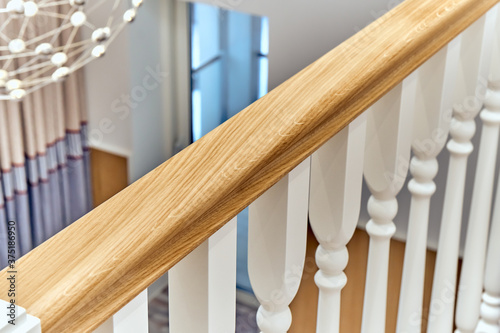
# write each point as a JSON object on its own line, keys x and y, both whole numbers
{"x": 229, "y": 71}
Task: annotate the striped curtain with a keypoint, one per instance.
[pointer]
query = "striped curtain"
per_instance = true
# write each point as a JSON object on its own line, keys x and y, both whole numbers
{"x": 44, "y": 157}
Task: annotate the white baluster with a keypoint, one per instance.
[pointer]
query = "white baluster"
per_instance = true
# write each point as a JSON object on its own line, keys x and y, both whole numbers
{"x": 471, "y": 278}
{"x": 334, "y": 204}
{"x": 18, "y": 321}
{"x": 431, "y": 126}
{"x": 469, "y": 295}
{"x": 202, "y": 286}
{"x": 276, "y": 247}
{"x": 132, "y": 318}
{"x": 474, "y": 54}
{"x": 490, "y": 307}
{"x": 388, "y": 141}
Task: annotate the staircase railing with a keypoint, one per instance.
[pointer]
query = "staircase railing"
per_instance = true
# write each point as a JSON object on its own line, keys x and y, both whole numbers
{"x": 408, "y": 69}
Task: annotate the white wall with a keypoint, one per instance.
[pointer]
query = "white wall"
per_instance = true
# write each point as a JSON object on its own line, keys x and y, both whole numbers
{"x": 107, "y": 79}
{"x": 125, "y": 121}
{"x": 150, "y": 88}
{"x": 128, "y": 91}
{"x": 303, "y": 30}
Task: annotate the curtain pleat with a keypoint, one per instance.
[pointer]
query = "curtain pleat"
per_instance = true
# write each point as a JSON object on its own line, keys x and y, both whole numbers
{"x": 3, "y": 228}
{"x": 34, "y": 194}
{"x": 18, "y": 178}
{"x": 44, "y": 156}
{"x": 6, "y": 174}
{"x": 83, "y": 132}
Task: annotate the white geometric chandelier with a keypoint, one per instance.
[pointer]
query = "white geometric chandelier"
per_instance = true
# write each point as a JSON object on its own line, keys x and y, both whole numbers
{"x": 44, "y": 41}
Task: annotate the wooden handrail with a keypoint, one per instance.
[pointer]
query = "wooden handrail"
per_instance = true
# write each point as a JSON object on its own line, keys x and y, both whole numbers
{"x": 84, "y": 274}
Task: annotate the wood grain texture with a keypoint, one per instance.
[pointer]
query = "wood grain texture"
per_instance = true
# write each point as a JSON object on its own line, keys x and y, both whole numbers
{"x": 84, "y": 274}
{"x": 109, "y": 175}
{"x": 304, "y": 306}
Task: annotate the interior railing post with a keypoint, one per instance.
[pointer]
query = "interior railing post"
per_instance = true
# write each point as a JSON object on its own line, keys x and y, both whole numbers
{"x": 471, "y": 277}
{"x": 474, "y": 55}
{"x": 132, "y": 318}
{"x": 277, "y": 233}
{"x": 388, "y": 142}
{"x": 334, "y": 204}
{"x": 490, "y": 307}
{"x": 203, "y": 286}
{"x": 436, "y": 83}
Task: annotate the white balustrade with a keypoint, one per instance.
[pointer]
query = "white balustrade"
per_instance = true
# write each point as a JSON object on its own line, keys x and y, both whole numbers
{"x": 276, "y": 247}
{"x": 388, "y": 141}
{"x": 203, "y": 286}
{"x": 132, "y": 318}
{"x": 335, "y": 199}
{"x": 433, "y": 107}
{"x": 472, "y": 69}
{"x": 471, "y": 277}
{"x": 490, "y": 308}
{"x": 17, "y": 320}
{"x": 443, "y": 96}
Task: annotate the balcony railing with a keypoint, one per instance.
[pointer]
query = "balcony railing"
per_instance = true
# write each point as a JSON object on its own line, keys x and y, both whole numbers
{"x": 359, "y": 109}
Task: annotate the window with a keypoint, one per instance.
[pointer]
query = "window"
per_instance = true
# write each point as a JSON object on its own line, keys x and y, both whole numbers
{"x": 229, "y": 71}
{"x": 229, "y": 66}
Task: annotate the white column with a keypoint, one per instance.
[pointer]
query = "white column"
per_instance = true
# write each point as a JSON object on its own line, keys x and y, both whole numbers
{"x": 277, "y": 235}
{"x": 435, "y": 89}
{"x": 471, "y": 277}
{"x": 17, "y": 320}
{"x": 334, "y": 204}
{"x": 132, "y": 318}
{"x": 469, "y": 93}
{"x": 469, "y": 296}
{"x": 202, "y": 286}
{"x": 490, "y": 307}
{"x": 388, "y": 142}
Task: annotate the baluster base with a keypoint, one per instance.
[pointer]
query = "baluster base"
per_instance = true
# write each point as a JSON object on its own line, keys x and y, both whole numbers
{"x": 274, "y": 321}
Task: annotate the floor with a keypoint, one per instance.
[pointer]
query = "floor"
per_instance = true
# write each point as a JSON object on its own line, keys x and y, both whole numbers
{"x": 245, "y": 313}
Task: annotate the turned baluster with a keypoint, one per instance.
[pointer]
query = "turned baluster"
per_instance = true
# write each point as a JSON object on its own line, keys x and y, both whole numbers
{"x": 471, "y": 277}
{"x": 276, "y": 247}
{"x": 388, "y": 142}
{"x": 431, "y": 126}
{"x": 490, "y": 307}
{"x": 335, "y": 198}
{"x": 467, "y": 105}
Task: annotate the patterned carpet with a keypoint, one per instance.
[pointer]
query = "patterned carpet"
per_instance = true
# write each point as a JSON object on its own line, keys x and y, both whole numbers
{"x": 246, "y": 308}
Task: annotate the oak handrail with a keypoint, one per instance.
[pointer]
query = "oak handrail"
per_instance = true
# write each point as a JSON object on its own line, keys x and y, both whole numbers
{"x": 83, "y": 275}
